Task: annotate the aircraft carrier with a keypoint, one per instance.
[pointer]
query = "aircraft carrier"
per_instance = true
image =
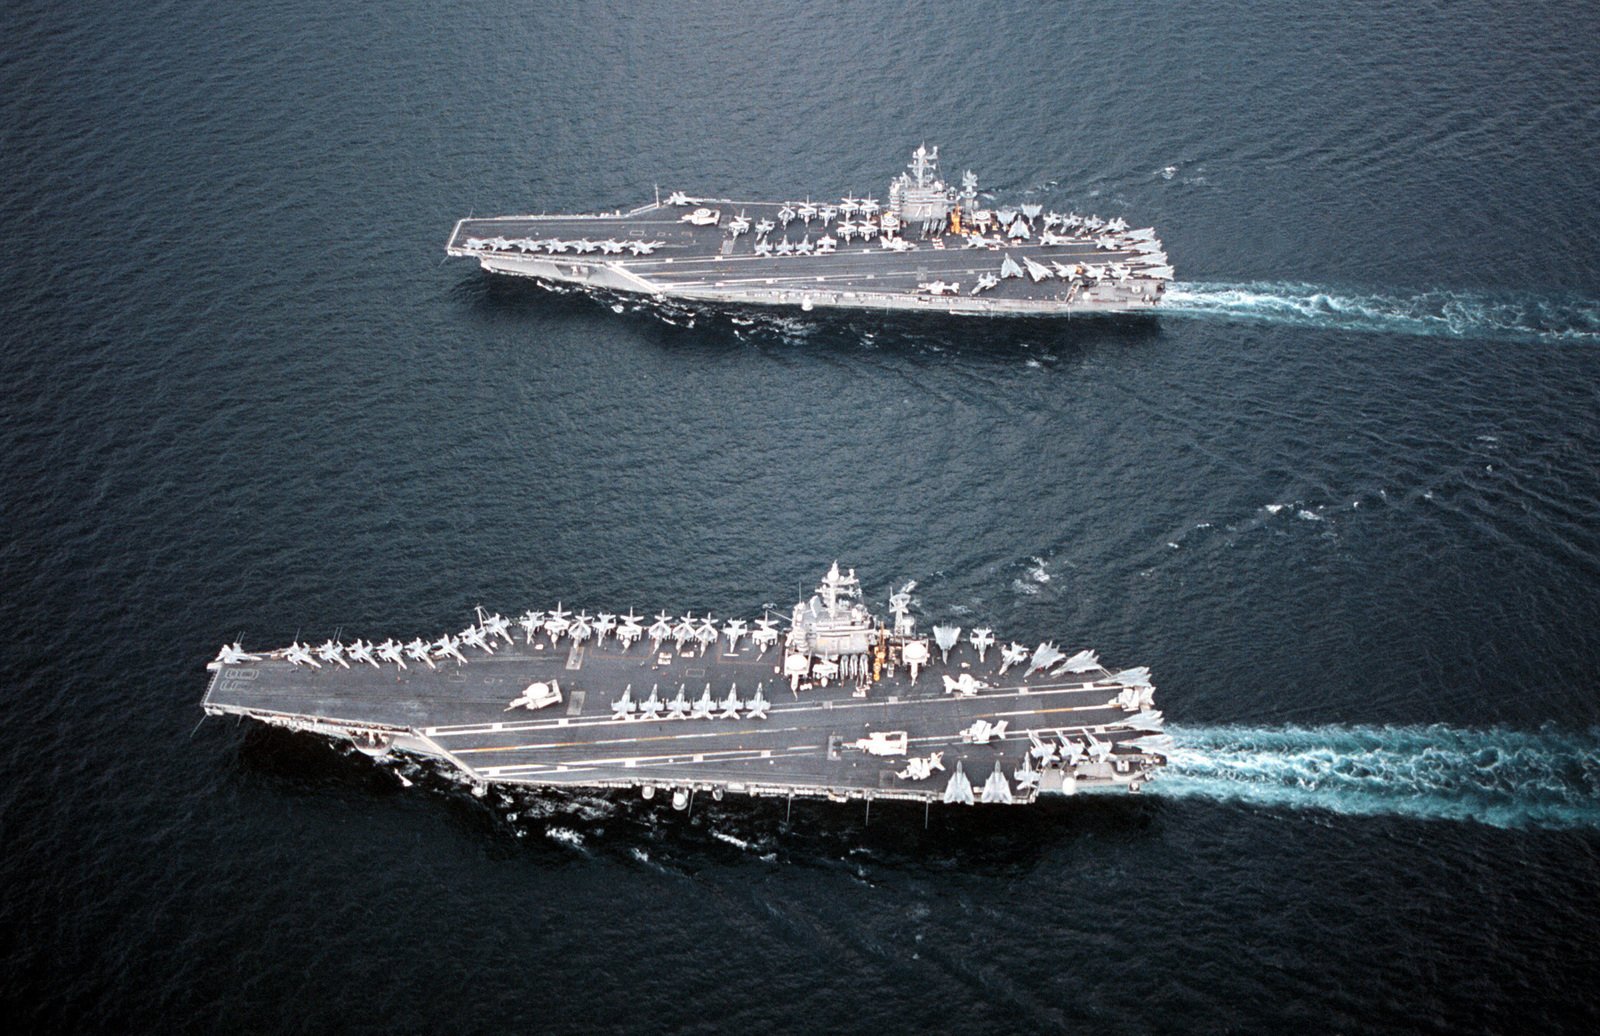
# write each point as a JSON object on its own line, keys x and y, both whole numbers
{"x": 930, "y": 247}
{"x": 839, "y": 705}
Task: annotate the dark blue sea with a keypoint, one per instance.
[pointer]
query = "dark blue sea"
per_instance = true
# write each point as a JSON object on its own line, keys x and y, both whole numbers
{"x": 1343, "y": 497}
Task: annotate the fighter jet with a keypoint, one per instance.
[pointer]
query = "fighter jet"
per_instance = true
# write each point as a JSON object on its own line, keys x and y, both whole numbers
{"x": 738, "y": 225}
{"x": 661, "y": 630}
{"x": 1042, "y": 750}
{"x": 762, "y": 247}
{"x": 805, "y": 247}
{"x": 1082, "y": 662}
{"x": 786, "y": 215}
{"x": 584, "y": 245}
{"x": 733, "y": 631}
{"x": 920, "y": 769}
{"x": 731, "y": 704}
{"x": 706, "y": 633}
{"x": 531, "y": 622}
{"x": 1009, "y": 268}
{"x": 629, "y": 631}
{"x": 231, "y": 654}
{"x": 418, "y": 651}
{"x": 1047, "y": 238}
{"x": 784, "y": 247}
{"x": 1099, "y": 751}
{"x": 896, "y": 244}
{"x": 360, "y": 651}
{"x": 758, "y": 705}
{"x": 982, "y": 732}
{"x": 764, "y": 227}
{"x": 555, "y": 245}
{"x": 1010, "y": 656}
{"x": 1044, "y": 656}
{"x": 764, "y": 636}
{"x": 300, "y": 654}
{"x": 624, "y": 707}
{"x": 827, "y": 212}
{"x": 474, "y": 636}
{"x": 332, "y": 651}
{"x": 582, "y": 628}
{"x": 677, "y": 198}
{"x": 611, "y": 247}
{"x": 475, "y": 243}
{"x": 390, "y": 650}
{"x": 650, "y": 708}
{"x": 982, "y": 640}
{"x": 678, "y": 707}
{"x": 996, "y": 788}
{"x": 497, "y": 625}
{"x": 1026, "y": 776}
{"x": 603, "y": 625}
{"x": 946, "y": 637}
{"x": 449, "y": 647}
{"x": 959, "y": 789}
{"x": 826, "y": 245}
{"x": 1037, "y": 270}
{"x": 644, "y": 247}
{"x": 703, "y": 705}
{"x": 683, "y": 632}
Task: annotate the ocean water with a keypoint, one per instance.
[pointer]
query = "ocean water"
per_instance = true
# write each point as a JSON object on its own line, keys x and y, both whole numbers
{"x": 1342, "y": 497}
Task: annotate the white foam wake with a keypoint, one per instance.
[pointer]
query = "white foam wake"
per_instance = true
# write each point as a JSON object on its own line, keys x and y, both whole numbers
{"x": 1451, "y": 314}
{"x": 1505, "y": 778}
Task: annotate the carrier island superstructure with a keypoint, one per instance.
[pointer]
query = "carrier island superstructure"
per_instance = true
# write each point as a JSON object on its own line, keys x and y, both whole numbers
{"x": 840, "y": 704}
{"x": 931, "y": 246}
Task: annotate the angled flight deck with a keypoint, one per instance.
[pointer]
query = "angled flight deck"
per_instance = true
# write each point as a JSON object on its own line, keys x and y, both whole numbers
{"x": 839, "y": 706}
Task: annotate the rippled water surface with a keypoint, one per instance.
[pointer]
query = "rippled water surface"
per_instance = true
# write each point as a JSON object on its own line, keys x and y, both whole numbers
{"x": 1342, "y": 497}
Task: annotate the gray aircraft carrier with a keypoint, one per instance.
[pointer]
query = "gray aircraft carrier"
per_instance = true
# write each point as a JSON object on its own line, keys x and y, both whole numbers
{"x": 839, "y": 705}
{"x": 931, "y": 247}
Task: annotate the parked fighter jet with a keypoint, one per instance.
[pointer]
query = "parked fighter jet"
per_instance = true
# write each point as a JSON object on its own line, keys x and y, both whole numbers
{"x": 785, "y": 215}
{"x": 733, "y": 631}
{"x": 624, "y": 707}
{"x": 758, "y": 705}
{"x": 359, "y": 650}
{"x": 764, "y": 227}
{"x": 582, "y": 627}
{"x": 982, "y": 731}
{"x": 982, "y": 640}
{"x": 731, "y": 704}
{"x": 603, "y": 625}
{"x": 678, "y": 707}
{"x": 644, "y": 247}
{"x": 449, "y": 647}
{"x": 473, "y": 635}
{"x": 765, "y": 635}
{"x": 497, "y": 625}
{"x": 985, "y": 282}
{"x": 1044, "y": 656}
{"x": 959, "y": 789}
{"x": 660, "y": 630}
{"x": 389, "y": 651}
{"x": 300, "y": 654}
{"x": 531, "y": 622}
{"x": 1011, "y": 655}
{"x": 762, "y": 247}
{"x": 738, "y": 225}
{"x": 629, "y": 631}
{"x": 683, "y": 632}
{"x": 946, "y": 637}
{"x": 650, "y": 708}
{"x": 419, "y": 651}
{"x": 703, "y": 705}
{"x": 920, "y": 769}
{"x": 677, "y": 198}
{"x": 611, "y": 248}
{"x": 231, "y": 654}
{"x": 896, "y": 244}
{"x": 997, "y": 788}
{"x": 332, "y": 651}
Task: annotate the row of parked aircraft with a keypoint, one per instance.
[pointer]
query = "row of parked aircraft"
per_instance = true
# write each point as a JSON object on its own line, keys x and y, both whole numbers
{"x": 555, "y": 245}
{"x": 680, "y": 707}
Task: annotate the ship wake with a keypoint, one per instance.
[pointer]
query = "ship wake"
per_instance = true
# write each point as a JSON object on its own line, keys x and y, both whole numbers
{"x": 1504, "y": 317}
{"x": 1503, "y": 778}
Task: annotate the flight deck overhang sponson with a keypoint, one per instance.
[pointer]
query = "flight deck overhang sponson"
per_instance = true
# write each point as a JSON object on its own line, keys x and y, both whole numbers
{"x": 932, "y": 247}
{"x": 841, "y": 705}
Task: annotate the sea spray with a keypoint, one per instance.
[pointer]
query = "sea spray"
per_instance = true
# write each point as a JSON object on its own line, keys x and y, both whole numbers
{"x": 1505, "y": 778}
{"x": 1509, "y": 317}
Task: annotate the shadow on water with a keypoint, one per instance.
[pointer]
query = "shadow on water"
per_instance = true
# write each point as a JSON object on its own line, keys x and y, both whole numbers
{"x": 713, "y": 329}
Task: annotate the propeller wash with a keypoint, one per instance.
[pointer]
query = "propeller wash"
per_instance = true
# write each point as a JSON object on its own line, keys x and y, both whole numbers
{"x": 930, "y": 247}
{"x": 841, "y": 705}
